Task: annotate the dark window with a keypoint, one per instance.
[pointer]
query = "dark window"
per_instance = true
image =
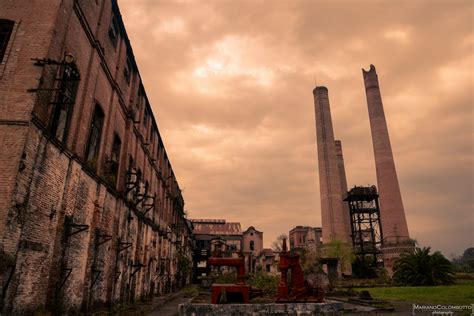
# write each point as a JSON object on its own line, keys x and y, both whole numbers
{"x": 127, "y": 70}
{"x": 116, "y": 149}
{"x": 6, "y": 28}
{"x": 130, "y": 177}
{"x": 95, "y": 135}
{"x": 145, "y": 117}
{"x": 268, "y": 267}
{"x": 131, "y": 164}
{"x": 139, "y": 98}
{"x": 113, "y": 163}
{"x": 113, "y": 30}
{"x": 252, "y": 246}
{"x": 64, "y": 102}
{"x": 147, "y": 187}
{"x": 139, "y": 178}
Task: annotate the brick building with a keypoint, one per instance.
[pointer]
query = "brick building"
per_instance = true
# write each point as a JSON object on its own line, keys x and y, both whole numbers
{"x": 90, "y": 209}
{"x": 269, "y": 260}
{"x": 252, "y": 246}
{"x": 305, "y": 237}
{"x": 212, "y": 236}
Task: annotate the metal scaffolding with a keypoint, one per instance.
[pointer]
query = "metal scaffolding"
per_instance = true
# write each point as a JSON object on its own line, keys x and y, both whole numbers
{"x": 365, "y": 224}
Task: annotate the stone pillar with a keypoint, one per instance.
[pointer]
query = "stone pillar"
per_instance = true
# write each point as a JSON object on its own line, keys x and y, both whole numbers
{"x": 333, "y": 223}
{"x": 342, "y": 176}
{"x": 392, "y": 214}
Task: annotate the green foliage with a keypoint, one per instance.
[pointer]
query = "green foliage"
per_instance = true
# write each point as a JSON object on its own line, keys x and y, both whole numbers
{"x": 266, "y": 282}
{"x": 383, "y": 277}
{"x": 456, "y": 294}
{"x": 310, "y": 261}
{"x": 184, "y": 265}
{"x": 190, "y": 290}
{"x": 423, "y": 268}
{"x": 340, "y": 250}
{"x": 363, "y": 268}
{"x": 225, "y": 278}
{"x": 465, "y": 263}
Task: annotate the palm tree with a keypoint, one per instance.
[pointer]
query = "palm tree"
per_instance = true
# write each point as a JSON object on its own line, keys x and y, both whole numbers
{"x": 423, "y": 268}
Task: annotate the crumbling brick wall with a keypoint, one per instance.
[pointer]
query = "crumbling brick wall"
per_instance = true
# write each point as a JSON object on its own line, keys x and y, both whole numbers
{"x": 72, "y": 237}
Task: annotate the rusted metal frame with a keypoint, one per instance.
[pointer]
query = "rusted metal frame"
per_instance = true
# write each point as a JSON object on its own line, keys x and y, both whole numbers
{"x": 102, "y": 239}
{"x": 149, "y": 206}
{"x": 123, "y": 246}
{"x": 7, "y": 283}
{"x": 80, "y": 228}
{"x": 137, "y": 267}
{"x": 95, "y": 276}
{"x": 69, "y": 271}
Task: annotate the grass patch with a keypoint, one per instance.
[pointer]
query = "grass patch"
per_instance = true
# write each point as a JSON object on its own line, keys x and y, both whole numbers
{"x": 190, "y": 290}
{"x": 461, "y": 293}
{"x": 266, "y": 282}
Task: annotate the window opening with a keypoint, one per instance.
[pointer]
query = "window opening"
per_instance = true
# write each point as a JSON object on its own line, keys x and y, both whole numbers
{"x": 64, "y": 101}
{"x": 93, "y": 145}
{"x": 113, "y": 30}
{"x": 6, "y": 28}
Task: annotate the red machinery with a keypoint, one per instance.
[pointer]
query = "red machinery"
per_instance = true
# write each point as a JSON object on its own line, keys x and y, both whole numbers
{"x": 220, "y": 291}
{"x": 298, "y": 289}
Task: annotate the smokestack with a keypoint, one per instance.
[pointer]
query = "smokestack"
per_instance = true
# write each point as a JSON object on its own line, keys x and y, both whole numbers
{"x": 342, "y": 177}
{"x": 392, "y": 213}
{"x": 332, "y": 215}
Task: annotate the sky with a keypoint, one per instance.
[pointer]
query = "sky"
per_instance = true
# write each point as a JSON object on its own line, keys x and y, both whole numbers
{"x": 230, "y": 84}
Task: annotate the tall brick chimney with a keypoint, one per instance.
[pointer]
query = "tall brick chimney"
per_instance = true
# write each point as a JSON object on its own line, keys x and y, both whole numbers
{"x": 392, "y": 214}
{"x": 332, "y": 215}
{"x": 343, "y": 178}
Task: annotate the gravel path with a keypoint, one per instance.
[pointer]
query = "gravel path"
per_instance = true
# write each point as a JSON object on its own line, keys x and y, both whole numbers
{"x": 170, "y": 308}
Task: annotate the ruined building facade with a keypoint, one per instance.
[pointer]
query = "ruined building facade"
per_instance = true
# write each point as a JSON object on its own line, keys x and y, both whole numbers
{"x": 90, "y": 209}
{"x": 305, "y": 238}
{"x": 252, "y": 246}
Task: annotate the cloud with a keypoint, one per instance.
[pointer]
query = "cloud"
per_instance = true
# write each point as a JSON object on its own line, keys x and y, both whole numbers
{"x": 231, "y": 87}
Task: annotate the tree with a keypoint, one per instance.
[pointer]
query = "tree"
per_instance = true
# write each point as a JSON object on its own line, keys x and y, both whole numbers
{"x": 277, "y": 245}
{"x": 310, "y": 260}
{"x": 342, "y": 251}
{"x": 423, "y": 268}
{"x": 364, "y": 268}
{"x": 465, "y": 263}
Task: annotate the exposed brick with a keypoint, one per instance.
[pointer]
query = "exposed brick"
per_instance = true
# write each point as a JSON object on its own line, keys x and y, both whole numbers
{"x": 77, "y": 240}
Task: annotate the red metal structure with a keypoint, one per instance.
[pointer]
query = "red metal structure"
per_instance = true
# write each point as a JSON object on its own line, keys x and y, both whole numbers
{"x": 222, "y": 293}
{"x": 298, "y": 289}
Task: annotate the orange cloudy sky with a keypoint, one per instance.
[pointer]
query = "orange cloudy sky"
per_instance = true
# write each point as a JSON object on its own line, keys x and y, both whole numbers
{"x": 230, "y": 83}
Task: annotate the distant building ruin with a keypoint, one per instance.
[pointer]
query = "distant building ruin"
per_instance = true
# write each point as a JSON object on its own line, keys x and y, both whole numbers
{"x": 212, "y": 236}
{"x": 305, "y": 238}
{"x": 252, "y": 246}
